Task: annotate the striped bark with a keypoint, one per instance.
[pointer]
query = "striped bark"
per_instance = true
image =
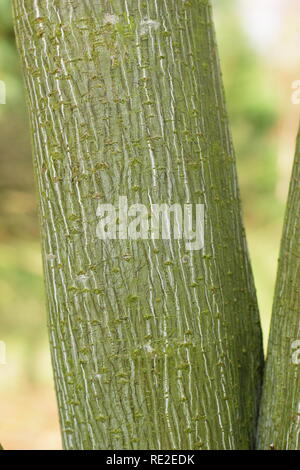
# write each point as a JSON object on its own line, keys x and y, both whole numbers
{"x": 153, "y": 346}
{"x": 279, "y": 424}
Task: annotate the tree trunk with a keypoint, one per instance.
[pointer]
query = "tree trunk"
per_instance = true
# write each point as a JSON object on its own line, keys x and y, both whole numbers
{"x": 154, "y": 346}
{"x": 279, "y": 423}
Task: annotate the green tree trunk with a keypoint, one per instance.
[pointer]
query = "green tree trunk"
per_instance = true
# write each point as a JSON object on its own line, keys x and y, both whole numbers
{"x": 279, "y": 423}
{"x": 153, "y": 346}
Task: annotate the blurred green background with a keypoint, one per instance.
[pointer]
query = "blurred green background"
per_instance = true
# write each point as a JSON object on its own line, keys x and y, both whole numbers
{"x": 258, "y": 43}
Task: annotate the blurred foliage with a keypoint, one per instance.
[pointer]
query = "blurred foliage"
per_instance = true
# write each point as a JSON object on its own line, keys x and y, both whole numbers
{"x": 18, "y": 207}
{"x": 9, "y": 63}
{"x": 254, "y": 113}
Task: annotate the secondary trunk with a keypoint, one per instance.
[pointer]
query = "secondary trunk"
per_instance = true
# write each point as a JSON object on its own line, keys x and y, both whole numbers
{"x": 153, "y": 345}
{"x": 279, "y": 423}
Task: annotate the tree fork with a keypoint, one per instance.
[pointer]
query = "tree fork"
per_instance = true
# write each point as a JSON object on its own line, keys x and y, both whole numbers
{"x": 153, "y": 346}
